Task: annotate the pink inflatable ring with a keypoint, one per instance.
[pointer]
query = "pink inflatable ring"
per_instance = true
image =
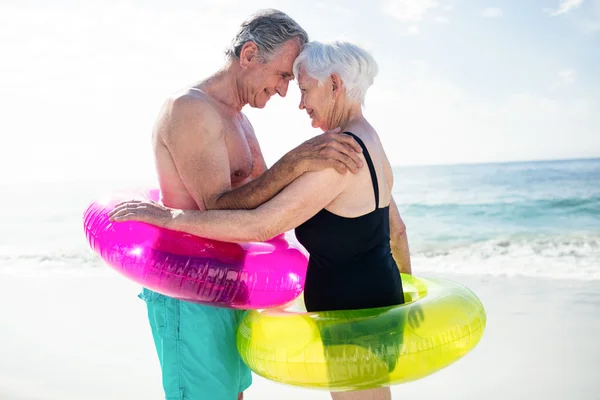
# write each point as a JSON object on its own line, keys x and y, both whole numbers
{"x": 253, "y": 275}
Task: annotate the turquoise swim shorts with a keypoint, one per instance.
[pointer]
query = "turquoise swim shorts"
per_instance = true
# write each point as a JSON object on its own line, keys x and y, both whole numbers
{"x": 196, "y": 348}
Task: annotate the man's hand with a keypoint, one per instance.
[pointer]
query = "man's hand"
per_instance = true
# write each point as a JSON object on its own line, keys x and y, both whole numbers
{"x": 328, "y": 150}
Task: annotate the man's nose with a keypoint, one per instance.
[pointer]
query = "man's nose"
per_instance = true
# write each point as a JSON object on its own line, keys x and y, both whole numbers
{"x": 282, "y": 88}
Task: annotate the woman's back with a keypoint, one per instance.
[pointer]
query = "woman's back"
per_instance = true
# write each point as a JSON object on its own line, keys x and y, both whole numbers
{"x": 358, "y": 197}
{"x": 351, "y": 264}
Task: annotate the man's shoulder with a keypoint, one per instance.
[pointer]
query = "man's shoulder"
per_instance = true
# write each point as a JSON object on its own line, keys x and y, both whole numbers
{"x": 192, "y": 101}
{"x": 193, "y": 110}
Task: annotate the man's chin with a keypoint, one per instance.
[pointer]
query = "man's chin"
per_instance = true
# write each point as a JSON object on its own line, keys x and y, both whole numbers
{"x": 260, "y": 105}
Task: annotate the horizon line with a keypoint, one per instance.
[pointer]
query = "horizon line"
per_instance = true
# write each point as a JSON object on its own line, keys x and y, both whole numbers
{"x": 146, "y": 179}
{"x": 499, "y": 162}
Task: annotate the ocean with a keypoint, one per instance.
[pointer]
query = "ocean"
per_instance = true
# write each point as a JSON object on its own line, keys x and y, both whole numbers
{"x": 537, "y": 219}
{"x": 533, "y": 219}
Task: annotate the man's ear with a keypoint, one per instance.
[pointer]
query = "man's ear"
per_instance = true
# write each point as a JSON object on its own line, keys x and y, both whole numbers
{"x": 248, "y": 54}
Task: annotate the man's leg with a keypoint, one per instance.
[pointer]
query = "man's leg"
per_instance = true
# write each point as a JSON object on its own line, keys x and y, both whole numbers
{"x": 197, "y": 350}
{"x": 245, "y": 373}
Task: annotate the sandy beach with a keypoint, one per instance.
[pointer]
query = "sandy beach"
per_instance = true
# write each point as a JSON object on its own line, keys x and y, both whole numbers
{"x": 70, "y": 336}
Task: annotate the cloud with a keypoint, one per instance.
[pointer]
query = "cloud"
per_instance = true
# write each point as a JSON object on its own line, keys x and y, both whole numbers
{"x": 414, "y": 13}
{"x": 442, "y": 20}
{"x": 409, "y": 10}
{"x": 333, "y": 8}
{"x": 567, "y": 75}
{"x": 492, "y": 12}
{"x": 413, "y": 30}
{"x": 565, "y": 7}
{"x": 587, "y": 17}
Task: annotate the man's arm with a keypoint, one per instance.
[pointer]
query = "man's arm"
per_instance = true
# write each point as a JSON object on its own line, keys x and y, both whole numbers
{"x": 399, "y": 240}
{"x": 260, "y": 189}
{"x": 196, "y": 142}
{"x": 198, "y": 147}
{"x": 328, "y": 150}
{"x": 294, "y": 205}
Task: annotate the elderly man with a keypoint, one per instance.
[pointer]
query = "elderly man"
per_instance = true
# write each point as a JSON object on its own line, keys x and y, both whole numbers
{"x": 207, "y": 157}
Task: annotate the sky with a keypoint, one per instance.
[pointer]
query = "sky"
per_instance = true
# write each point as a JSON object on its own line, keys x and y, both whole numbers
{"x": 81, "y": 82}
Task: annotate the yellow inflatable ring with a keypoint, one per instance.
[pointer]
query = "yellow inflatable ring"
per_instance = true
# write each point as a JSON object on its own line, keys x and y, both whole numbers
{"x": 440, "y": 322}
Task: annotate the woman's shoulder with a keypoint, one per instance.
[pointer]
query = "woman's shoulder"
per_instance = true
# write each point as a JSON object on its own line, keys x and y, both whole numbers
{"x": 364, "y": 131}
{"x": 369, "y": 138}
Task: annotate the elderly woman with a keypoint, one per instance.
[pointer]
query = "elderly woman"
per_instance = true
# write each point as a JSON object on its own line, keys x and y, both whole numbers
{"x": 342, "y": 220}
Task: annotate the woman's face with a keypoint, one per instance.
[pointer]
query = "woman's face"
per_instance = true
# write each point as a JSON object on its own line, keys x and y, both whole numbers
{"x": 316, "y": 100}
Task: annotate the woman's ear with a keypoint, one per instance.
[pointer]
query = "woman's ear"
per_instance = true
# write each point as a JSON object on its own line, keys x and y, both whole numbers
{"x": 248, "y": 54}
{"x": 336, "y": 84}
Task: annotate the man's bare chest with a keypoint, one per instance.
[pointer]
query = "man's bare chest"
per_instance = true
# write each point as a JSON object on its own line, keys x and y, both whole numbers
{"x": 241, "y": 162}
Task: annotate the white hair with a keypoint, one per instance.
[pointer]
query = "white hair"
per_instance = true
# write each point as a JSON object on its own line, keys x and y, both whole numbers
{"x": 355, "y": 66}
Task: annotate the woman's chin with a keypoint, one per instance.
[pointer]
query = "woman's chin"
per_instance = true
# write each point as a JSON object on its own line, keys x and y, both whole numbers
{"x": 315, "y": 124}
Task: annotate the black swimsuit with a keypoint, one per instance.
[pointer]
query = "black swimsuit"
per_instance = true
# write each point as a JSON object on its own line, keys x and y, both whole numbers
{"x": 351, "y": 264}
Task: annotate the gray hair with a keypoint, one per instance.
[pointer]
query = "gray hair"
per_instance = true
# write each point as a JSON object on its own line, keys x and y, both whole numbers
{"x": 268, "y": 29}
{"x": 356, "y": 67}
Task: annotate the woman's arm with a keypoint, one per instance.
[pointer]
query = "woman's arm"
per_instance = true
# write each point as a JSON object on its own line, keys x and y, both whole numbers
{"x": 294, "y": 205}
{"x": 398, "y": 237}
{"x": 399, "y": 240}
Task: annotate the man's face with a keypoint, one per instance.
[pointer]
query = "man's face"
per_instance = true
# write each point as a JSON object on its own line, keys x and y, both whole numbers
{"x": 273, "y": 77}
